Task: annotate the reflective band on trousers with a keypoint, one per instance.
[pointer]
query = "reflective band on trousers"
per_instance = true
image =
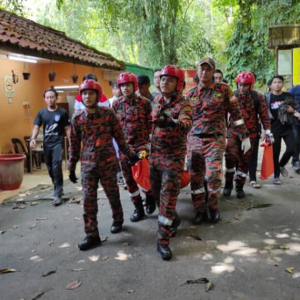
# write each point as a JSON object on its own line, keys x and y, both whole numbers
{"x": 199, "y": 191}
{"x": 239, "y": 173}
{"x": 164, "y": 221}
{"x": 213, "y": 191}
{"x": 134, "y": 194}
{"x": 239, "y": 122}
{"x": 230, "y": 170}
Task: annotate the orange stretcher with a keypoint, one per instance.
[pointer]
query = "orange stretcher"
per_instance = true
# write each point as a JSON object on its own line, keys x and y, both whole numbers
{"x": 141, "y": 174}
{"x": 267, "y": 165}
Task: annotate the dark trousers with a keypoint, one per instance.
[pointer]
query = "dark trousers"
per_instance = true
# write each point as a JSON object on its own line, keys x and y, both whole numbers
{"x": 254, "y": 157}
{"x": 296, "y": 130}
{"x": 53, "y": 160}
{"x": 290, "y": 149}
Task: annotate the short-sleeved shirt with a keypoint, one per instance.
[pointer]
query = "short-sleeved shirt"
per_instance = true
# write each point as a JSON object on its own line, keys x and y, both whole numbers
{"x": 54, "y": 123}
{"x": 275, "y": 102}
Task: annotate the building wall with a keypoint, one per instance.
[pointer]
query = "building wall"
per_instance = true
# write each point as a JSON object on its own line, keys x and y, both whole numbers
{"x": 16, "y": 119}
{"x": 296, "y": 66}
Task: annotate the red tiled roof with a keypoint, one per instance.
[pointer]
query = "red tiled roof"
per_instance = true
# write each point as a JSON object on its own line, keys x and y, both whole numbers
{"x": 25, "y": 35}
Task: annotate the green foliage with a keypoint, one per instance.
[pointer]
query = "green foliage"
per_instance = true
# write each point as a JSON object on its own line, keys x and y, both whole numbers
{"x": 14, "y": 6}
{"x": 154, "y": 33}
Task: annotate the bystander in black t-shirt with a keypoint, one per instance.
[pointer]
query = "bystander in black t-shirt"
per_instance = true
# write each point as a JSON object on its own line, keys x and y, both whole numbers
{"x": 54, "y": 123}
{"x": 275, "y": 102}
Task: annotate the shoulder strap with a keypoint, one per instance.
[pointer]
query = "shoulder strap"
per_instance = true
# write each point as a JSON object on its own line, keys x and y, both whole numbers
{"x": 256, "y": 101}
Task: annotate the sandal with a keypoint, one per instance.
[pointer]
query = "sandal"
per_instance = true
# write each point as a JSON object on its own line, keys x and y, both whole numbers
{"x": 255, "y": 185}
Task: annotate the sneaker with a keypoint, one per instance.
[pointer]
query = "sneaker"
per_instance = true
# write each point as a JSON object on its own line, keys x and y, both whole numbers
{"x": 255, "y": 184}
{"x": 296, "y": 167}
{"x": 284, "y": 172}
{"x": 277, "y": 181}
{"x": 57, "y": 201}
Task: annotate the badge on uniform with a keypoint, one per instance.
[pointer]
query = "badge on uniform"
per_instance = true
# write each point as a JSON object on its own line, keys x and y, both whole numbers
{"x": 57, "y": 118}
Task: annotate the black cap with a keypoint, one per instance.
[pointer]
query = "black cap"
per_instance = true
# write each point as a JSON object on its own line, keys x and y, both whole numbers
{"x": 143, "y": 79}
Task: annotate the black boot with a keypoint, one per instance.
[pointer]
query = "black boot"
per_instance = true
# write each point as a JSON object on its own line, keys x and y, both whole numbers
{"x": 174, "y": 226}
{"x": 215, "y": 215}
{"x": 150, "y": 204}
{"x": 116, "y": 227}
{"x": 228, "y": 187}
{"x": 138, "y": 213}
{"x": 200, "y": 217}
{"x": 239, "y": 191}
{"x": 164, "y": 251}
{"x": 89, "y": 242}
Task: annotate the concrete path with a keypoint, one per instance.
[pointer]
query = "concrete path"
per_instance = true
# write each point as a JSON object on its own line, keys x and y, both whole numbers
{"x": 245, "y": 256}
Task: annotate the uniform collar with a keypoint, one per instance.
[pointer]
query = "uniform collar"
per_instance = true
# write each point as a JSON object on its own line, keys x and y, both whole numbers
{"x": 85, "y": 112}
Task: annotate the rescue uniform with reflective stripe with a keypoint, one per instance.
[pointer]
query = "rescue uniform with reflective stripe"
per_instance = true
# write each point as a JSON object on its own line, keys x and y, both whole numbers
{"x": 98, "y": 161}
{"x": 168, "y": 149}
{"x": 134, "y": 115}
{"x": 206, "y": 141}
{"x": 234, "y": 156}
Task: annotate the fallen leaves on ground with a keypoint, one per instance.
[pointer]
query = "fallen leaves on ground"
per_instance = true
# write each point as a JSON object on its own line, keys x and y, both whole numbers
{"x": 7, "y": 270}
{"x": 94, "y": 258}
{"x": 130, "y": 291}
{"x": 200, "y": 280}
{"x": 2, "y": 231}
{"x": 48, "y": 273}
{"x": 105, "y": 258}
{"x": 79, "y": 270}
{"x": 33, "y": 225}
{"x": 290, "y": 270}
{"x": 19, "y": 207}
{"x": 284, "y": 247}
{"x": 259, "y": 205}
{"x": 73, "y": 285}
{"x": 195, "y": 236}
{"x": 38, "y": 296}
{"x": 76, "y": 200}
{"x": 35, "y": 203}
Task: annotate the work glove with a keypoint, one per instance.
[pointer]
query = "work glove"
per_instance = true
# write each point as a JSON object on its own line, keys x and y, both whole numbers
{"x": 143, "y": 154}
{"x": 133, "y": 160}
{"x": 246, "y": 145}
{"x": 165, "y": 121}
{"x": 269, "y": 137}
{"x": 72, "y": 176}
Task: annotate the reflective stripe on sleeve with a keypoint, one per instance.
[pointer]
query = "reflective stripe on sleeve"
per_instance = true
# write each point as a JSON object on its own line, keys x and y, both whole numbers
{"x": 239, "y": 173}
{"x": 134, "y": 194}
{"x": 239, "y": 122}
{"x": 199, "y": 191}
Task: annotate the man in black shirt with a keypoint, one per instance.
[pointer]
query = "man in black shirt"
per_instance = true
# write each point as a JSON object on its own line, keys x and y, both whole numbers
{"x": 281, "y": 129}
{"x": 55, "y": 121}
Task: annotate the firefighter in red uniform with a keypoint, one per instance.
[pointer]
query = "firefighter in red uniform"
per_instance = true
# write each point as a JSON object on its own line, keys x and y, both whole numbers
{"x": 252, "y": 106}
{"x": 95, "y": 127}
{"x": 172, "y": 120}
{"x": 134, "y": 114}
{"x": 206, "y": 143}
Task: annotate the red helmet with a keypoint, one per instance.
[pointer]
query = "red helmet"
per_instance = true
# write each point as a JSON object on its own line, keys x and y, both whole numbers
{"x": 246, "y": 78}
{"x": 90, "y": 84}
{"x": 128, "y": 77}
{"x": 174, "y": 71}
